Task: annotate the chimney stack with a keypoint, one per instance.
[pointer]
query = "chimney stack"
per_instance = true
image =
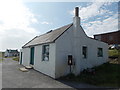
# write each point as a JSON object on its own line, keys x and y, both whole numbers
{"x": 76, "y": 18}
{"x": 76, "y": 11}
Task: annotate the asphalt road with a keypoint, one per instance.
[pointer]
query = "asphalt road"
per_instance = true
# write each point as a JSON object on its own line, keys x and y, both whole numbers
{"x": 12, "y": 77}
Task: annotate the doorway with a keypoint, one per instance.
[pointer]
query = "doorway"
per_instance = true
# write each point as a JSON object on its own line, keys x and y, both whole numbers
{"x": 32, "y": 55}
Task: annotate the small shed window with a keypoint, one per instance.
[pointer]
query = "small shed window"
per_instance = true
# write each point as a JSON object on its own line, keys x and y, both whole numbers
{"x": 100, "y": 52}
{"x": 84, "y": 51}
{"x": 45, "y": 53}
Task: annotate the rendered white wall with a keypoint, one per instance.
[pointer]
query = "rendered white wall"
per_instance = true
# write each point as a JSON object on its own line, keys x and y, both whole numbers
{"x": 6, "y": 53}
{"x": 92, "y": 58}
{"x": 46, "y": 67}
{"x": 25, "y": 56}
{"x": 71, "y": 42}
{"x": 64, "y": 47}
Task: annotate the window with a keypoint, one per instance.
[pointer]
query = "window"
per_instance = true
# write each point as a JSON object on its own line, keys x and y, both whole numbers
{"x": 45, "y": 54}
{"x": 100, "y": 52}
{"x": 84, "y": 52}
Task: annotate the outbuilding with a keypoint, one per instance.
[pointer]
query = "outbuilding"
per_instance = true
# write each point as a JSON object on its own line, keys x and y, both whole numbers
{"x": 57, "y": 51}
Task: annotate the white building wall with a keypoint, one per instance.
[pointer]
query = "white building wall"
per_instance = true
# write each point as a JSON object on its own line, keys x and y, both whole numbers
{"x": 67, "y": 44}
{"x": 64, "y": 47}
{"x": 92, "y": 58}
{"x": 46, "y": 67}
{"x": 71, "y": 42}
{"x": 25, "y": 56}
{"x": 6, "y": 53}
{"x": 80, "y": 40}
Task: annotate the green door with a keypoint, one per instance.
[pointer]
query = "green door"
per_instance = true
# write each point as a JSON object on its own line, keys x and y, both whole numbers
{"x": 21, "y": 58}
{"x": 32, "y": 55}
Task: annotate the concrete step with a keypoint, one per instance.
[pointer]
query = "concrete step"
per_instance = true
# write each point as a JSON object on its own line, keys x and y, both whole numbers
{"x": 23, "y": 69}
{"x": 29, "y": 67}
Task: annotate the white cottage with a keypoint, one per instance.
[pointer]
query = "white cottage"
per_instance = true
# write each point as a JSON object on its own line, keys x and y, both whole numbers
{"x": 11, "y": 53}
{"x": 48, "y": 53}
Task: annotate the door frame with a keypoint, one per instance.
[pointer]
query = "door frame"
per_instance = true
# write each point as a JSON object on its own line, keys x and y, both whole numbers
{"x": 21, "y": 54}
{"x": 32, "y": 49}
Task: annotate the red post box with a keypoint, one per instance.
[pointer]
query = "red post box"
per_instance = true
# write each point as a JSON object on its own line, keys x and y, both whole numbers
{"x": 70, "y": 60}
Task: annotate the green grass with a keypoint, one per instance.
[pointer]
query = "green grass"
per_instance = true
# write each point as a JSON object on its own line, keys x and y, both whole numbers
{"x": 1, "y": 55}
{"x": 114, "y": 52}
{"x": 107, "y": 75}
{"x": 16, "y": 58}
{"x": 1, "y": 60}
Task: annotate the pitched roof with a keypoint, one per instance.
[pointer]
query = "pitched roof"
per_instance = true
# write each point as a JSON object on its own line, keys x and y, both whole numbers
{"x": 48, "y": 37}
{"x": 108, "y": 33}
{"x": 12, "y": 51}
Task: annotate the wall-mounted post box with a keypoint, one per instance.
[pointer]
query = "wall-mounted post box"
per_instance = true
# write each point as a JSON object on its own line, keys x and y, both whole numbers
{"x": 70, "y": 60}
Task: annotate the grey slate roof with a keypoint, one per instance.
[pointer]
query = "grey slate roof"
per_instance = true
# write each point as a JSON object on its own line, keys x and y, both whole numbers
{"x": 12, "y": 51}
{"x": 48, "y": 37}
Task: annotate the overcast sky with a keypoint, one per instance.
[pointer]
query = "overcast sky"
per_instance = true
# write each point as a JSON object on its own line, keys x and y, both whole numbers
{"x": 21, "y": 21}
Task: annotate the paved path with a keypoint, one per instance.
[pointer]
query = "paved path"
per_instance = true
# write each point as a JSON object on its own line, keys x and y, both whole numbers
{"x": 12, "y": 77}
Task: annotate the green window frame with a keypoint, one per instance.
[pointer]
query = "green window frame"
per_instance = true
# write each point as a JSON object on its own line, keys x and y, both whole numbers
{"x": 84, "y": 52}
{"x": 100, "y": 52}
{"x": 45, "y": 53}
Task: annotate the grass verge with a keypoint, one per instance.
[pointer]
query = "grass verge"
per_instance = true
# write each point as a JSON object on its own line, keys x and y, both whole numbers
{"x": 16, "y": 58}
{"x": 107, "y": 75}
{"x": 113, "y": 53}
{"x": 1, "y": 56}
{"x": 1, "y": 60}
